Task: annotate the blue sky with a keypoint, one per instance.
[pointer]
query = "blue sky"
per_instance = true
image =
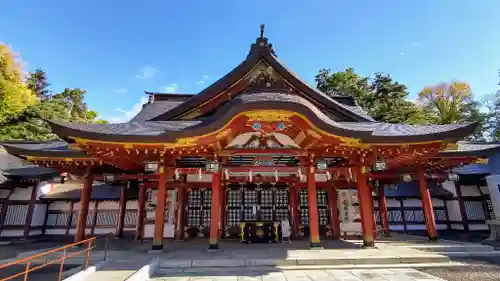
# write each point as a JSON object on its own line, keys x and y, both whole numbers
{"x": 117, "y": 49}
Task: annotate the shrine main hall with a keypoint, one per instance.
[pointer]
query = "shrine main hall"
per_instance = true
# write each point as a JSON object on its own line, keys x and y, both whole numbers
{"x": 255, "y": 149}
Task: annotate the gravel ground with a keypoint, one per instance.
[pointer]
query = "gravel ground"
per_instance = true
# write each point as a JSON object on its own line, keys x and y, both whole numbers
{"x": 478, "y": 269}
{"x": 477, "y": 273}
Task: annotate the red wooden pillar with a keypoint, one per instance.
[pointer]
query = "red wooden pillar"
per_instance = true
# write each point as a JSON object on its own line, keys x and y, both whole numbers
{"x": 215, "y": 210}
{"x": 312, "y": 206}
{"x": 294, "y": 211}
{"x": 121, "y": 212}
{"x": 430, "y": 222}
{"x": 334, "y": 212}
{"x": 382, "y": 210}
{"x": 366, "y": 207}
{"x": 141, "y": 212}
{"x": 223, "y": 213}
{"x": 181, "y": 210}
{"x": 160, "y": 209}
{"x": 84, "y": 204}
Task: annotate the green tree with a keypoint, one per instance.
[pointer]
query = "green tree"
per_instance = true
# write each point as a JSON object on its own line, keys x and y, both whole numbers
{"x": 449, "y": 103}
{"x": 37, "y": 82}
{"x": 15, "y": 96}
{"x": 380, "y": 96}
{"x": 492, "y": 117}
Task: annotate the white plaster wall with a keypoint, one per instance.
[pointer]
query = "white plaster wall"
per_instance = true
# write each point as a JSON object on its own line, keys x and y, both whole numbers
{"x": 450, "y": 186}
{"x": 132, "y": 205}
{"x": 396, "y": 227}
{"x": 196, "y": 178}
{"x": 12, "y": 232}
{"x": 484, "y": 189}
{"x": 457, "y": 226}
{"x": 149, "y": 230}
{"x": 109, "y": 205}
{"x": 59, "y": 206}
{"x": 168, "y": 231}
{"x": 50, "y": 231}
{"x": 416, "y": 227}
{"x": 104, "y": 230}
{"x": 412, "y": 203}
{"x": 21, "y": 193}
{"x": 35, "y": 232}
{"x": 453, "y": 210}
{"x": 91, "y": 205}
{"x": 469, "y": 190}
{"x": 4, "y": 193}
{"x": 350, "y": 227}
{"x": 393, "y": 203}
{"x": 480, "y": 226}
{"x": 437, "y": 202}
{"x": 39, "y": 212}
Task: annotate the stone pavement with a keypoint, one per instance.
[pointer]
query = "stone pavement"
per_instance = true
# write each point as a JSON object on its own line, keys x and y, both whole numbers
{"x": 403, "y": 274}
{"x": 118, "y": 269}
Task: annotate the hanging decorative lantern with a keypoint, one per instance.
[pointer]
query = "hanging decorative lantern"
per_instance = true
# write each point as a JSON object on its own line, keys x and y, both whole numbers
{"x": 109, "y": 178}
{"x": 392, "y": 186}
{"x": 200, "y": 174}
{"x": 276, "y": 176}
{"x": 150, "y": 166}
{"x": 226, "y": 174}
{"x": 212, "y": 166}
{"x": 321, "y": 165}
{"x": 250, "y": 176}
{"x": 453, "y": 177}
{"x": 379, "y": 165}
{"x": 299, "y": 172}
{"x": 328, "y": 175}
{"x": 407, "y": 178}
{"x": 177, "y": 175}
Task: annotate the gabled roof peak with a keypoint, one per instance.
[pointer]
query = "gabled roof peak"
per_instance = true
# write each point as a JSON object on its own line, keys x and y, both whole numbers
{"x": 261, "y": 44}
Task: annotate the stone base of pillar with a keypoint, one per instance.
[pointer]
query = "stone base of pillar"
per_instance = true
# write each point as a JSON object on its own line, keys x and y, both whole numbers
{"x": 157, "y": 246}
{"x": 433, "y": 239}
{"x": 494, "y": 231}
{"x": 368, "y": 244}
{"x": 315, "y": 246}
{"x": 213, "y": 246}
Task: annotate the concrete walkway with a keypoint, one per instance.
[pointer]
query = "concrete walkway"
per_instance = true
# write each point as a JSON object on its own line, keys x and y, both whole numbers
{"x": 404, "y": 274}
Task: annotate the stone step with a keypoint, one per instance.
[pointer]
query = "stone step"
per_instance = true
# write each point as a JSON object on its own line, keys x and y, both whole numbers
{"x": 166, "y": 272}
{"x": 217, "y": 263}
{"x": 457, "y": 248}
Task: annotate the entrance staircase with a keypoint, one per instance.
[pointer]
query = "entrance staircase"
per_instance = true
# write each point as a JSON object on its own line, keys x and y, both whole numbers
{"x": 133, "y": 264}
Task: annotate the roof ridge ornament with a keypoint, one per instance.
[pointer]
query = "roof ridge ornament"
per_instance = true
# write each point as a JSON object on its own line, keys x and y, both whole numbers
{"x": 261, "y": 44}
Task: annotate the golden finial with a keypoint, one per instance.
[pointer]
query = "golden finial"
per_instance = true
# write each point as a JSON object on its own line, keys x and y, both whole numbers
{"x": 262, "y": 31}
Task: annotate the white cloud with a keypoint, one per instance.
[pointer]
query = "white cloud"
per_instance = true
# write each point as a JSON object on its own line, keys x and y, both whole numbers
{"x": 401, "y": 54}
{"x": 415, "y": 44}
{"x": 146, "y": 72}
{"x": 203, "y": 80}
{"x": 121, "y": 91}
{"x": 124, "y": 115}
{"x": 170, "y": 88}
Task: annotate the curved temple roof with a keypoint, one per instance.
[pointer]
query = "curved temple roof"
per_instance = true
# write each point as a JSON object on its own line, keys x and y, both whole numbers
{"x": 159, "y": 120}
{"x": 169, "y": 131}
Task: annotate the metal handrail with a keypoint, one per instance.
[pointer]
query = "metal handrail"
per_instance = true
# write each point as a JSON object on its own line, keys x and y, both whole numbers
{"x": 29, "y": 260}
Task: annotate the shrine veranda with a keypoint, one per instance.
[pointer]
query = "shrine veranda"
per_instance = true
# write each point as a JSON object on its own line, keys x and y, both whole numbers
{"x": 257, "y": 148}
